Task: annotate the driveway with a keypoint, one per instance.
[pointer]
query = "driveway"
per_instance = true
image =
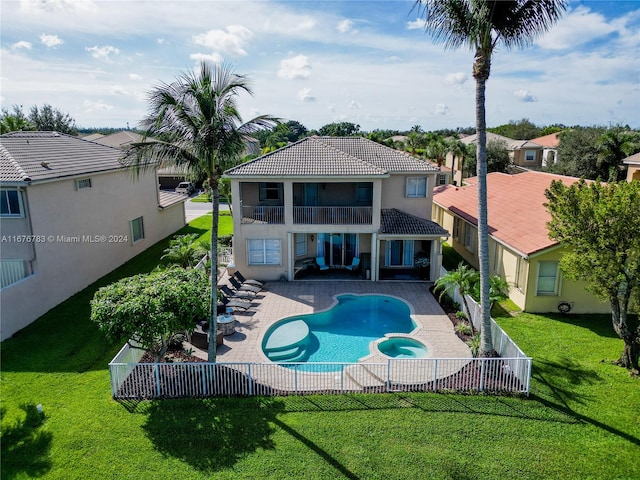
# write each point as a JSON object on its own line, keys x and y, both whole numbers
{"x": 194, "y": 210}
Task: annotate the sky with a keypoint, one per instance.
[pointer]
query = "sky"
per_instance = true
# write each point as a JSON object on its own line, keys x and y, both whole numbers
{"x": 317, "y": 62}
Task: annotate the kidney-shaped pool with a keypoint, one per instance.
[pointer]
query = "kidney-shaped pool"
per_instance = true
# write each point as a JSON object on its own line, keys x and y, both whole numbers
{"x": 341, "y": 334}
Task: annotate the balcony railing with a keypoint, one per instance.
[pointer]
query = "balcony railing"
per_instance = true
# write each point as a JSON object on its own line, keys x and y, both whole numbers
{"x": 262, "y": 214}
{"x": 332, "y": 215}
{"x": 309, "y": 215}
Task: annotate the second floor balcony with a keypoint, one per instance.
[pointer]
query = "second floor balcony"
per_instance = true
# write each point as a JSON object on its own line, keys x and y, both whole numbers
{"x": 338, "y": 215}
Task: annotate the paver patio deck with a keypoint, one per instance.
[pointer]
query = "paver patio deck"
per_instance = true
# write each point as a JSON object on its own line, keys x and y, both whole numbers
{"x": 279, "y": 300}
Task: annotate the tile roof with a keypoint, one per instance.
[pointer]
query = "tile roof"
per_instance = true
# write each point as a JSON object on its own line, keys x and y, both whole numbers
{"x": 332, "y": 156}
{"x": 511, "y": 143}
{"x": 167, "y": 199}
{"x": 632, "y": 160}
{"x": 516, "y": 214}
{"x": 118, "y": 139}
{"x": 35, "y": 156}
{"x": 396, "y": 222}
{"x": 552, "y": 140}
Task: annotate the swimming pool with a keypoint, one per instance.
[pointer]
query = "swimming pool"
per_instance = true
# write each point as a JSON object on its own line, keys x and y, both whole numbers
{"x": 341, "y": 334}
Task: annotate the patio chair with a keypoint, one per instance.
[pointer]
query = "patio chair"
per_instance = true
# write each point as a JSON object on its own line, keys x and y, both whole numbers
{"x": 234, "y": 303}
{"x": 231, "y": 294}
{"x": 355, "y": 265}
{"x": 243, "y": 280}
{"x": 243, "y": 288}
{"x": 321, "y": 265}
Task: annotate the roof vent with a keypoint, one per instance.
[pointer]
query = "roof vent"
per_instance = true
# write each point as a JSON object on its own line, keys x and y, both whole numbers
{"x": 45, "y": 165}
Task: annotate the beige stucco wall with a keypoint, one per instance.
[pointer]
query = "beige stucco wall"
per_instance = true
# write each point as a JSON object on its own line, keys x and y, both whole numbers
{"x": 394, "y": 195}
{"x": 570, "y": 291}
{"x": 633, "y": 172}
{"x": 523, "y": 285}
{"x": 87, "y": 234}
{"x": 518, "y": 158}
{"x": 387, "y": 193}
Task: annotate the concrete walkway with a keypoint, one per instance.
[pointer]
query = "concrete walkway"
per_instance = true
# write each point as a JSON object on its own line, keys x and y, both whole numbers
{"x": 279, "y": 300}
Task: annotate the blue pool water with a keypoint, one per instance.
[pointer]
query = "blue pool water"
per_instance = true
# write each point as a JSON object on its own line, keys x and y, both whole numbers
{"x": 341, "y": 334}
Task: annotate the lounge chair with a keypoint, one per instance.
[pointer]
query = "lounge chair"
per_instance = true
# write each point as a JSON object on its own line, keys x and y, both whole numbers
{"x": 321, "y": 265}
{"x": 355, "y": 265}
{"x": 243, "y": 288}
{"x": 251, "y": 281}
{"x": 235, "y": 303}
{"x": 231, "y": 294}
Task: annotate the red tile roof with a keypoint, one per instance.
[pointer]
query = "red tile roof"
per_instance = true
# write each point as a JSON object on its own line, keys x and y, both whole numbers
{"x": 516, "y": 214}
{"x": 552, "y": 140}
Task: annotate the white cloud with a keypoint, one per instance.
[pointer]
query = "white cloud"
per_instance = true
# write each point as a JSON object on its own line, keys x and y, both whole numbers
{"x": 102, "y": 53}
{"x": 304, "y": 95}
{"x": 524, "y": 96}
{"x": 353, "y": 105}
{"x": 295, "y": 67}
{"x": 21, "y": 44}
{"x": 457, "y": 78}
{"x": 160, "y": 41}
{"x": 49, "y": 6}
{"x": 233, "y": 41}
{"x": 576, "y": 28}
{"x": 392, "y": 58}
{"x": 134, "y": 76}
{"x": 418, "y": 24}
{"x": 204, "y": 57}
{"x": 90, "y": 106}
{"x": 441, "y": 109}
{"x": 345, "y": 26}
{"x": 51, "y": 40}
{"x": 118, "y": 90}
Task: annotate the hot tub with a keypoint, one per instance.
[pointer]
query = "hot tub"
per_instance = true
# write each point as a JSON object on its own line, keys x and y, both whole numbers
{"x": 402, "y": 347}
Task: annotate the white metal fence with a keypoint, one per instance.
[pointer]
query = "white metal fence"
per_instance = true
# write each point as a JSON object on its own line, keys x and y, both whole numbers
{"x": 132, "y": 380}
{"x": 502, "y": 343}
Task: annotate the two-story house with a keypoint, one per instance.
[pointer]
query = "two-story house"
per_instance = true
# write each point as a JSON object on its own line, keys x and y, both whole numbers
{"x": 336, "y": 199}
{"x": 520, "y": 250}
{"x": 71, "y": 213}
{"x": 522, "y": 153}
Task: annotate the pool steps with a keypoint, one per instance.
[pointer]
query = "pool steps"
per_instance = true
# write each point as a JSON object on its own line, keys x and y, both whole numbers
{"x": 288, "y": 342}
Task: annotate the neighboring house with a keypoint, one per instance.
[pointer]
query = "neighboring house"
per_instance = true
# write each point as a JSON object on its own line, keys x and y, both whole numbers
{"x": 71, "y": 213}
{"x": 520, "y": 250}
{"x": 633, "y": 167}
{"x": 522, "y": 153}
{"x": 337, "y": 198}
{"x": 550, "y": 148}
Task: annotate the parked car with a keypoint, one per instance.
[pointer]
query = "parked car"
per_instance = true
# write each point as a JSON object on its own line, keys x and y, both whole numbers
{"x": 185, "y": 187}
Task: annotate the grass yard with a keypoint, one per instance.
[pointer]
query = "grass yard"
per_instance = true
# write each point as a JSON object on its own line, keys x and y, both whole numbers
{"x": 582, "y": 420}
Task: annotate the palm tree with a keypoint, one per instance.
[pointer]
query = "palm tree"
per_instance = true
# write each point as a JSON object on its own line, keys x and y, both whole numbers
{"x": 483, "y": 25}
{"x": 194, "y": 123}
{"x": 465, "y": 278}
{"x": 461, "y": 150}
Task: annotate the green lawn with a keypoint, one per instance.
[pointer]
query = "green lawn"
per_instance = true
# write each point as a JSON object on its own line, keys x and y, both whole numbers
{"x": 581, "y": 421}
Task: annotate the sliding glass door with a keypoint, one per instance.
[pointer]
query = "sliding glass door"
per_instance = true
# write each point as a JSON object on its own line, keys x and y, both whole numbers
{"x": 338, "y": 249}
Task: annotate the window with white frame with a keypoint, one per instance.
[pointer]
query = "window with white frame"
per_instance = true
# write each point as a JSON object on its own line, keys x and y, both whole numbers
{"x": 301, "y": 244}
{"x": 137, "y": 229}
{"x": 442, "y": 179}
{"x": 547, "y": 278}
{"x": 84, "y": 183}
{"x": 11, "y": 203}
{"x": 529, "y": 155}
{"x": 264, "y": 251}
{"x": 469, "y": 240}
{"x": 416, "y": 187}
{"x": 457, "y": 223}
